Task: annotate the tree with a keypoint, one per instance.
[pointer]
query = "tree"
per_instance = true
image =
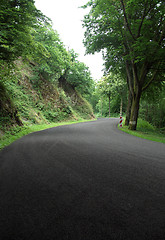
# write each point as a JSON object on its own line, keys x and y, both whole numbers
{"x": 49, "y": 53}
{"x": 112, "y": 86}
{"x": 130, "y": 32}
{"x": 78, "y": 75}
{"x": 17, "y": 17}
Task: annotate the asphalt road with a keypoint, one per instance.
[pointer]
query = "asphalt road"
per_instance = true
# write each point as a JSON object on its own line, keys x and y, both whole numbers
{"x": 87, "y": 181}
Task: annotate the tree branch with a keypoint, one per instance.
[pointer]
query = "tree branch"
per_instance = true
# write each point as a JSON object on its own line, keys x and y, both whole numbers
{"x": 143, "y": 17}
{"x": 126, "y": 20}
{"x": 152, "y": 78}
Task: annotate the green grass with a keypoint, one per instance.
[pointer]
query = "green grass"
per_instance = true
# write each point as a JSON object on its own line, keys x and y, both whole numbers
{"x": 145, "y": 130}
{"x": 18, "y": 132}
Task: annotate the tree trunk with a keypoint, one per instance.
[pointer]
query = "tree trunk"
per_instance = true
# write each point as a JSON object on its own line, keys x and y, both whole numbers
{"x": 129, "y": 105}
{"x": 135, "y": 89}
{"x": 134, "y": 111}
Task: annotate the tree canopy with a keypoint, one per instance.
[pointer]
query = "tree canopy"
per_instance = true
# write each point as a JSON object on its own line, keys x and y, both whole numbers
{"x": 50, "y": 52}
{"x": 132, "y": 34}
{"x": 16, "y": 20}
{"x": 79, "y": 76}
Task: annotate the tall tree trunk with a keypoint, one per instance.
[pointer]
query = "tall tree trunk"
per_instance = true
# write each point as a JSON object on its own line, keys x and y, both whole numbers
{"x": 134, "y": 111}
{"x": 129, "y": 105}
{"x": 135, "y": 89}
{"x": 130, "y": 90}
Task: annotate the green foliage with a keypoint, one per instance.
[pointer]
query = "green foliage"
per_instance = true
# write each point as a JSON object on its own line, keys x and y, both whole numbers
{"x": 153, "y": 106}
{"x": 78, "y": 75}
{"x": 145, "y": 130}
{"x": 8, "y": 112}
{"x": 7, "y": 72}
{"x": 50, "y": 54}
{"x": 84, "y": 110}
{"x": 43, "y": 104}
{"x": 102, "y": 108}
{"x": 131, "y": 35}
{"x": 145, "y": 126}
{"x": 60, "y": 113}
{"x": 32, "y": 60}
{"x": 111, "y": 86}
{"x": 16, "y": 20}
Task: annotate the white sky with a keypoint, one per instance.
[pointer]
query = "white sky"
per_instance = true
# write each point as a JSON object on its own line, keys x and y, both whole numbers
{"x": 67, "y": 20}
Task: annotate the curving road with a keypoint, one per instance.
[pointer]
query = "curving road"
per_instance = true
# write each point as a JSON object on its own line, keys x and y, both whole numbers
{"x": 87, "y": 181}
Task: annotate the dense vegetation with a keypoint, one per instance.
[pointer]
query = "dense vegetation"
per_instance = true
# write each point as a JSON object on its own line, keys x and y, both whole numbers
{"x": 40, "y": 80}
{"x": 43, "y": 82}
{"x": 131, "y": 35}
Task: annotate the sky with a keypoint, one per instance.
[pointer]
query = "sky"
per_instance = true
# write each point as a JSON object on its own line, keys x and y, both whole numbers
{"x": 67, "y": 20}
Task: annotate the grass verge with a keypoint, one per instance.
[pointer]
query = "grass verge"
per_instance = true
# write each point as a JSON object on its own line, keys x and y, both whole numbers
{"x": 18, "y": 132}
{"x": 145, "y": 130}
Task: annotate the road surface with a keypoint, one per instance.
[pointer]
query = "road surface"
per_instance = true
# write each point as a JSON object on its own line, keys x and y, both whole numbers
{"x": 87, "y": 181}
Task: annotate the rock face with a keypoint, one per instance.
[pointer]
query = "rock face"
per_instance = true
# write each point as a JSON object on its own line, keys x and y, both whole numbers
{"x": 26, "y": 99}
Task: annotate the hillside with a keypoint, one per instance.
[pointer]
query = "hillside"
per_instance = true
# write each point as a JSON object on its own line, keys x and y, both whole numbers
{"x": 25, "y": 99}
